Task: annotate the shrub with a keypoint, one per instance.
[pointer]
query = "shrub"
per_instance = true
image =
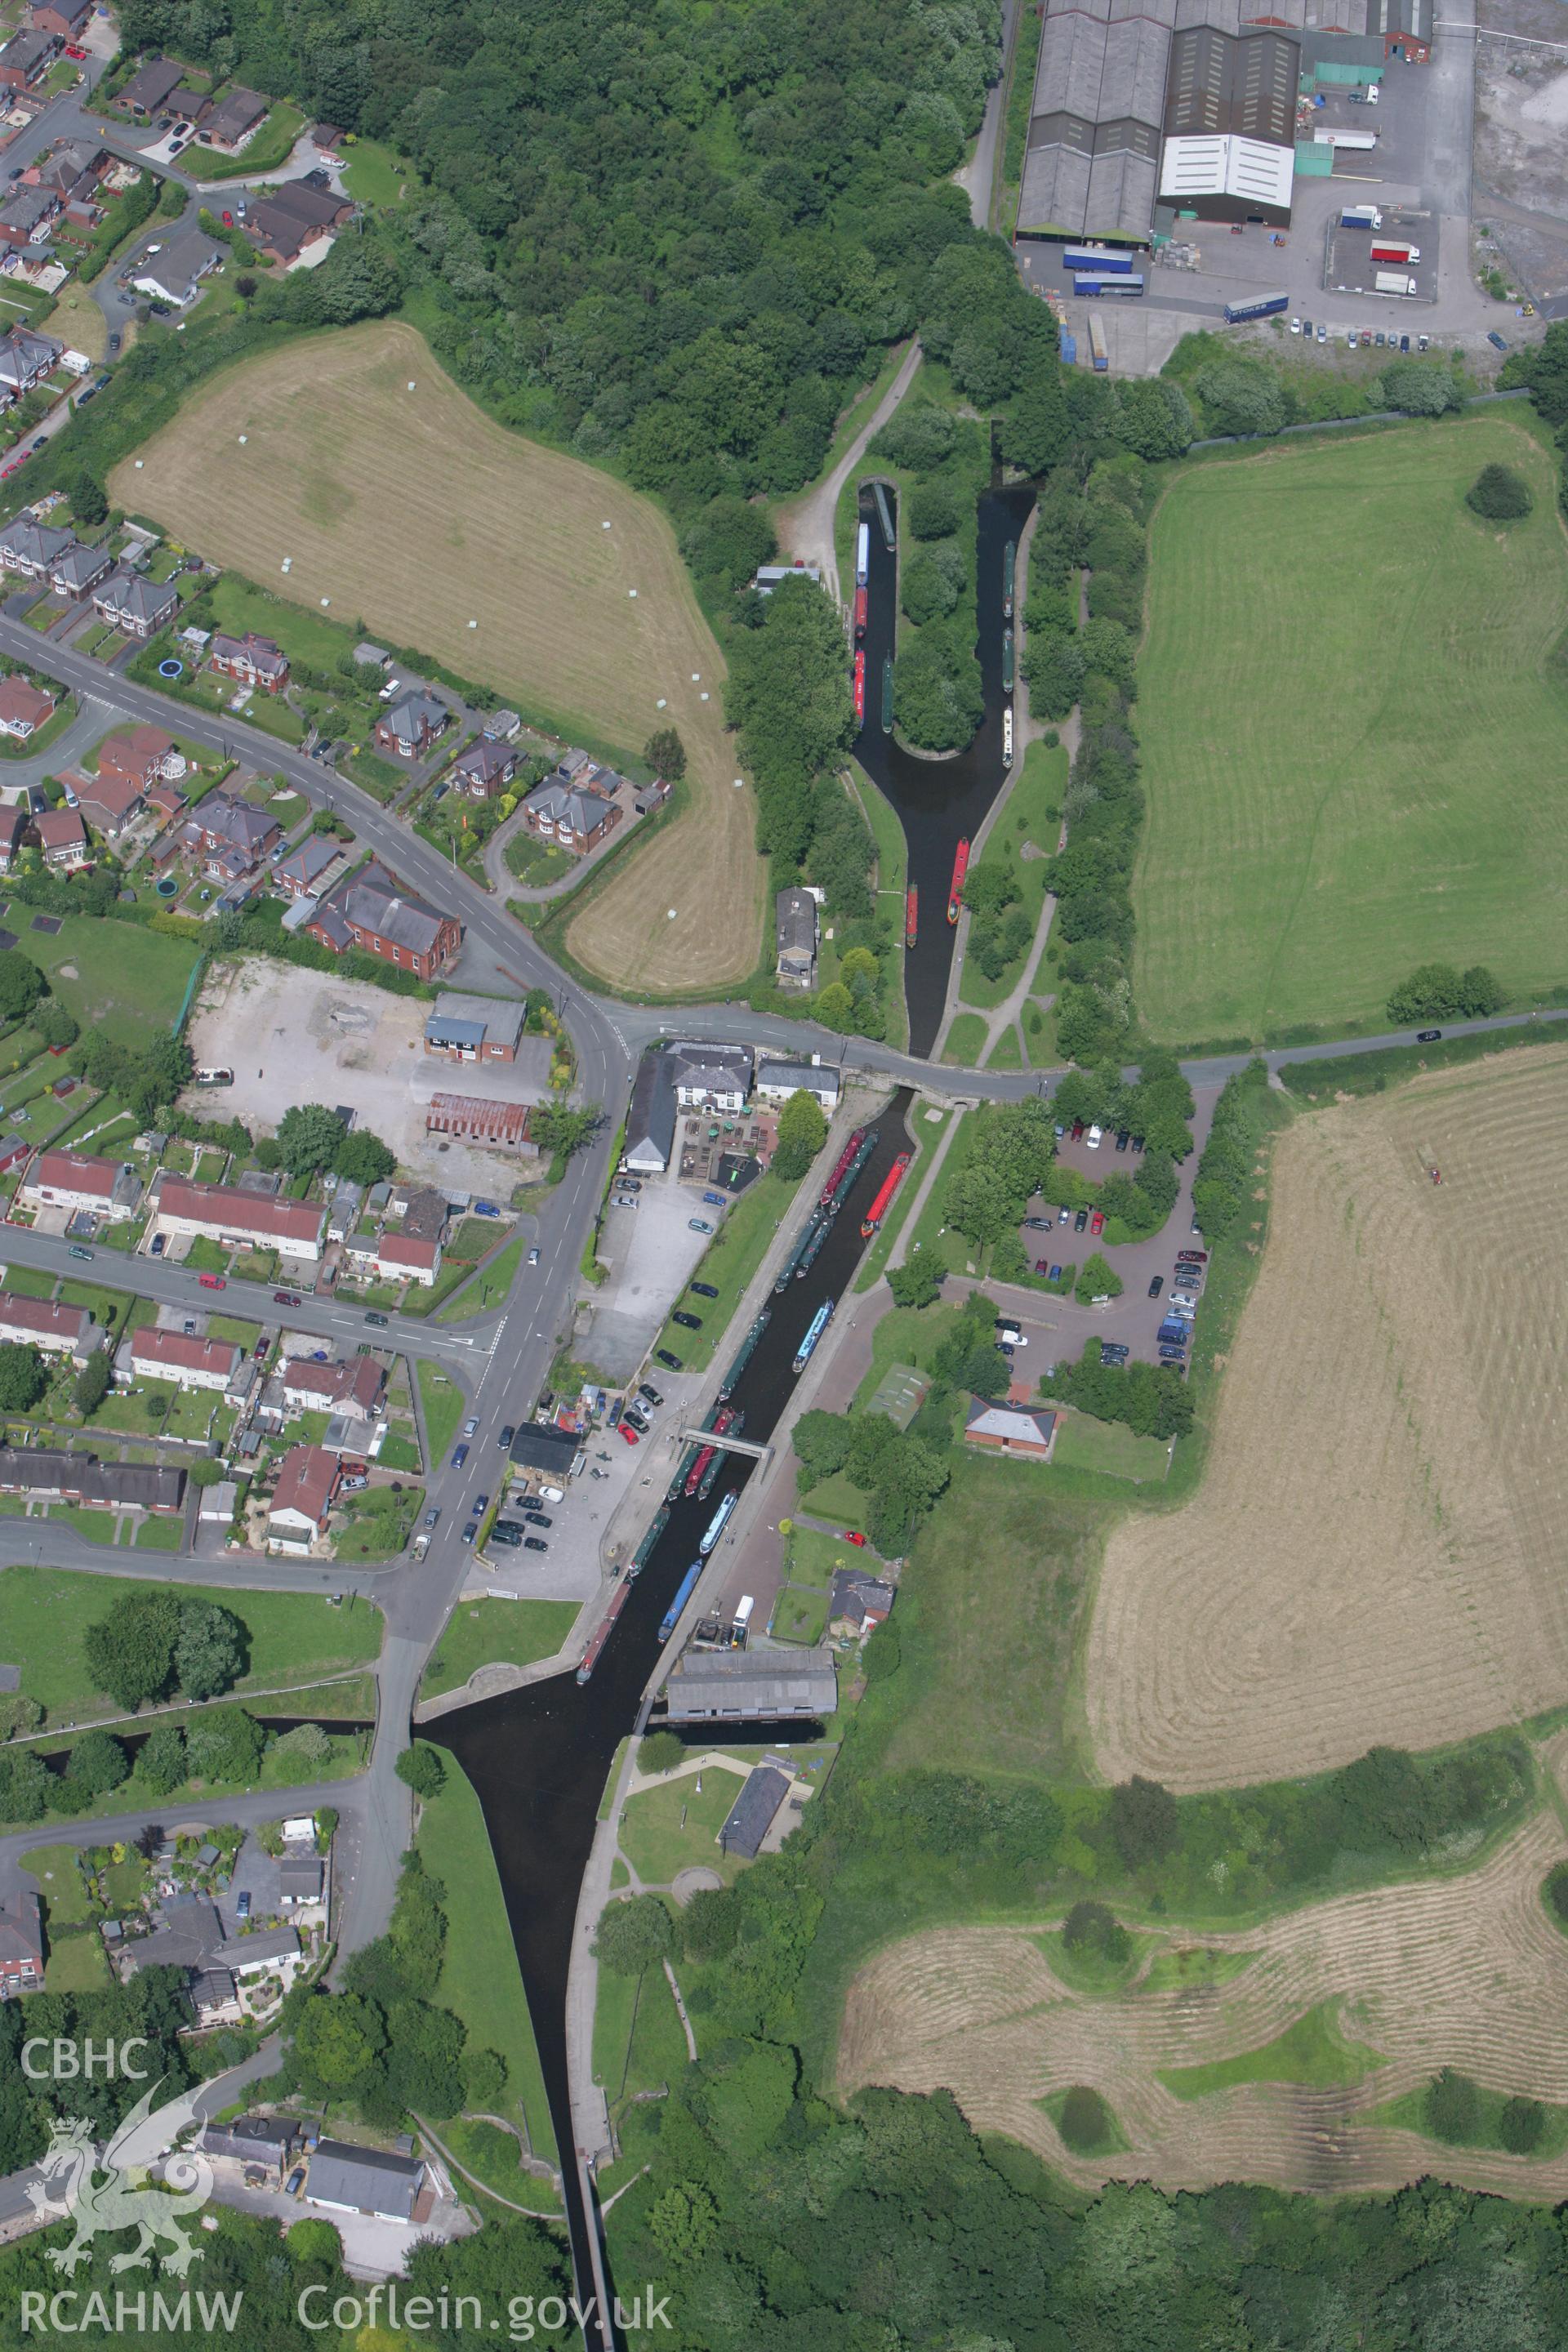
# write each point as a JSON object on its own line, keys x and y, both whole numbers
{"x": 1085, "y": 2123}
{"x": 1453, "y": 2107}
{"x": 932, "y": 511}
{"x": 661, "y": 1751}
{"x": 1094, "y": 1928}
{"x": 1521, "y": 2125}
{"x": 1145, "y": 1820}
{"x": 1555, "y": 1892}
{"x": 1499, "y": 494}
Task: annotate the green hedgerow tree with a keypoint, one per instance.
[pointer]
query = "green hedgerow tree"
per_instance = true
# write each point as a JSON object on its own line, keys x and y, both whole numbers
{"x": 1094, "y": 1928}
{"x": 92, "y": 1383}
{"x": 1453, "y": 2107}
{"x": 1145, "y": 1820}
{"x": 1555, "y": 1892}
{"x": 1499, "y": 494}
{"x": 97, "y": 1763}
{"x": 1521, "y": 2125}
{"x": 421, "y": 1770}
{"x": 23, "y": 1379}
{"x": 131, "y": 1652}
{"x": 915, "y": 1284}
{"x": 665, "y": 754}
{"x": 802, "y": 1131}
{"x": 1085, "y": 2122}
{"x": 309, "y": 1135}
{"x": 634, "y": 1936}
{"x": 661, "y": 1751}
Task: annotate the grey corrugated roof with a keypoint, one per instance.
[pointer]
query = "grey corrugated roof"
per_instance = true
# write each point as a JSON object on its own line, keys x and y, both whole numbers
{"x": 750, "y": 1684}
{"x": 364, "y": 2180}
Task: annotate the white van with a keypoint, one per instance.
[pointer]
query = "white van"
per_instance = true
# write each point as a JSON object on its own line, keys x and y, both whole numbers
{"x": 743, "y": 1608}
{"x": 552, "y": 1494}
{"x": 1095, "y": 1137}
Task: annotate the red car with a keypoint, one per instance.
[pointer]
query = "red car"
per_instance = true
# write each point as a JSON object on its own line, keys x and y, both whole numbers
{"x": 1077, "y": 1129}
{"x": 228, "y": 220}
{"x": 73, "y": 51}
{"x": 628, "y": 1432}
{"x": 212, "y": 1281}
{"x": 1096, "y": 1223}
{"x": 847, "y": 1535}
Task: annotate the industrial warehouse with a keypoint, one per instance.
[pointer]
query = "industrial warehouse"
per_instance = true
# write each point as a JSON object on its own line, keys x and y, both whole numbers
{"x": 1147, "y": 112}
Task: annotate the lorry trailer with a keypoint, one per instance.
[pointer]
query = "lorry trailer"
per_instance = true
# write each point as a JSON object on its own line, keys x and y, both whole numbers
{"x": 1361, "y": 138}
{"x": 1131, "y": 284}
{"x": 1393, "y": 281}
{"x": 1097, "y": 259}
{"x": 1361, "y": 216}
{"x": 1097, "y": 343}
{"x": 1381, "y": 250}
{"x": 1255, "y": 306}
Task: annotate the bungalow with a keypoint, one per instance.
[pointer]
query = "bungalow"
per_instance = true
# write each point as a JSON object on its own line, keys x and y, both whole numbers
{"x": 24, "y": 217}
{"x": 575, "y": 816}
{"x": 253, "y": 660}
{"x": 48, "y": 1325}
{"x": 78, "y": 569}
{"x": 303, "y": 872}
{"x": 31, "y": 549}
{"x": 27, "y": 58}
{"x": 373, "y": 912}
{"x": 139, "y": 754}
{"x": 110, "y": 804}
{"x": 408, "y": 726}
{"x": 214, "y": 2001}
{"x": 396, "y": 1258}
{"x": 1028, "y": 1431}
{"x": 483, "y": 770}
{"x": 174, "y": 274}
{"x": 139, "y": 606}
{"x": 23, "y": 709}
{"x": 355, "y": 1388}
{"x": 150, "y": 88}
{"x": 274, "y": 1952}
{"x": 231, "y": 122}
{"x": 77, "y": 1181}
{"x": 248, "y": 1220}
{"x": 794, "y": 939}
{"x": 301, "y": 1879}
{"x": 293, "y": 216}
{"x": 62, "y": 837}
{"x": 66, "y": 19}
{"x": 189, "y": 1361}
{"x": 21, "y": 1944}
{"x": 25, "y": 359}
{"x": 307, "y": 1486}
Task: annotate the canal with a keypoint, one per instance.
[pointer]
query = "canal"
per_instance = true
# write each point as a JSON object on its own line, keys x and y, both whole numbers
{"x": 539, "y": 1758}
{"x": 940, "y": 803}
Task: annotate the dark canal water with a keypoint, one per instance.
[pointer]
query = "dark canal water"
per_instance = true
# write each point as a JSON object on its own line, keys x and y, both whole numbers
{"x": 939, "y": 802}
{"x": 539, "y": 1758}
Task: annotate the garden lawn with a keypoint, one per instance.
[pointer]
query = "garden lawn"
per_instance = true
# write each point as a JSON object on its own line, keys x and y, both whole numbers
{"x": 1024, "y": 821}
{"x": 480, "y": 1980}
{"x": 496, "y": 1632}
{"x": 673, "y": 1827}
{"x": 45, "y": 1612}
{"x": 59, "y": 1884}
{"x": 1351, "y": 708}
{"x": 1110, "y": 1447}
{"x": 77, "y": 1963}
{"x": 729, "y": 1263}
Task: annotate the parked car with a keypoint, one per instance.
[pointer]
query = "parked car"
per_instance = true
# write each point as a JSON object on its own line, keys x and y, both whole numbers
{"x": 280, "y": 1298}
{"x": 1192, "y": 1257}
{"x": 705, "y": 1289}
{"x": 698, "y": 1225}
{"x": 646, "y": 1389}
{"x": 1295, "y": 326}
{"x": 535, "y": 1543}
{"x": 1173, "y": 1355}
{"x": 227, "y": 219}
{"x": 687, "y": 1322}
{"x": 1378, "y": 339}
{"x": 1039, "y": 1266}
{"x": 1080, "y": 1221}
{"x": 459, "y": 1456}
{"x": 1094, "y": 1138}
{"x": 539, "y": 1518}
{"x": 1405, "y": 342}
{"x": 624, "y": 1201}
{"x": 662, "y": 1356}
{"x": 1054, "y": 1275}
{"x": 1096, "y": 1223}
{"x": 295, "y": 2182}
{"x": 638, "y": 1419}
{"x": 630, "y": 1184}
{"x": 1322, "y": 333}
{"x": 159, "y": 1241}
{"x": 1123, "y": 1138}
{"x": 629, "y": 1433}
{"x": 1427, "y": 1036}
{"x": 114, "y": 342}
{"x": 433, "y": 1516}
{"x": 242, "y": 1905}
{"x": 1038, "y": 1224}
{"x": 717, "y": 1200}
{"x": 1062, "y": 1216}
{"x": 1156, "y": 1285}
{"x": 507, "y": 1434}
{"x": 1496, "y": 340}
{"x": 1077, "y": 1129}
{"x": 508, "y": 1536}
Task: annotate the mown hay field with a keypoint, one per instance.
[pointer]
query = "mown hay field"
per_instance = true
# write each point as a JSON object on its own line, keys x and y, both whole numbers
{"x": 1376, "y": 1552}
{"x": 412, "y": 510}
{"x": 1353, "y": 731}
{"x": 1384, "y": 1985}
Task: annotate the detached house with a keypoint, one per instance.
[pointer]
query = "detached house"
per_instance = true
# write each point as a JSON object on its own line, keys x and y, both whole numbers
{"x": 140, "y": 755}
{"x": 291, "y": 217}
{"x": 307, "y": 1486}
{"x": 149, "y": 90}
{"x": 110, "y": 803}
{"x": 175, "y": 275}
{"x": 372, "y": 911}
{"x": 62, "y": 837}
{"x": 575, "y": 816}
{"x": 230, "y": 124}
{"x": 140, "y": 608}
{"x": 232, "y": 837}
{"x": 23, "y": 709}
{"x": 253, "y": 660}
{"x": 27, "y": 58}
{"x": 484, "y": 769}
{"x": 408, "y": 726}
{"x": 67, "y": 18}
{"x": 1023, "y": 1430}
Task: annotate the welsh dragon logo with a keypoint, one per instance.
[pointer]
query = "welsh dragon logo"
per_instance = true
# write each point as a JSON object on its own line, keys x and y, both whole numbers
{"x": 98, "y": 2194}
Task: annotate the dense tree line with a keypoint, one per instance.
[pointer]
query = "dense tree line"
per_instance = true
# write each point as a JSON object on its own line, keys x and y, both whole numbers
{"x": 1435, "y": 992}
{"x": 152, "y": 2005}
{"x": 1150, "y": 1399}
{"x": 155, "y": 1645}
{"x": 1226, "y": 1170}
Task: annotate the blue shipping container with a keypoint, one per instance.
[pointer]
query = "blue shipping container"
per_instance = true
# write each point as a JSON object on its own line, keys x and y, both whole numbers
{"x": 1069, "y": 344}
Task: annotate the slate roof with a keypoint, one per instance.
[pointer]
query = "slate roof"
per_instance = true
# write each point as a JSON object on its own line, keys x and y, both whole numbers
{"x": 753, "y": 1813}
{"x": 364, "y": 2180}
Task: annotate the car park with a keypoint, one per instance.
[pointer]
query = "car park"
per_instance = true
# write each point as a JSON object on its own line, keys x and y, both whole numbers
{"x": 539, "y": 1518}
{"x": 1080, "y": 1221}
{"x": 432, "y": 1516}
{"x": 1427, "y": 1036}
{"x": 705, "y": 1289}
{"x": 459, "y": 1456}
{"x": 1096, "y": 1223}
{"x": 662, "y": 1356}
{"x": 629, "y": 1433}
{"x": 698, "y": 1225}
{"x": 535, "y": 1543}
{"x": 646, "y": 1389}
{"x": 687, "y": 1322}
{"x": 1156, "y": 1285}
{"x": 506, "y": 1434}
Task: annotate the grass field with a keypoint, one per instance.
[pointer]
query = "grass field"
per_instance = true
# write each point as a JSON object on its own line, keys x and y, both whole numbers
{"x": 480, "y": 1979}
{"x": 1351, "y": 722}
{"x": 112, "y": 976}
{"x": 1109, "y": 1446}
{"x": 44, "y": 1613}
{"x": 496, "y": 1632}
{"x": 498, "y": 531}
{"x": 672, "y": 1828}
{"x": 442, "y": 1404}
{"x": 1374, "y": 1580}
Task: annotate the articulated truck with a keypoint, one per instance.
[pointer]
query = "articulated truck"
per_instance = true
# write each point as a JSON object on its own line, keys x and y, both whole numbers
{"x": 1394, "y": 251}
{"x": 1393, "y": 281}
